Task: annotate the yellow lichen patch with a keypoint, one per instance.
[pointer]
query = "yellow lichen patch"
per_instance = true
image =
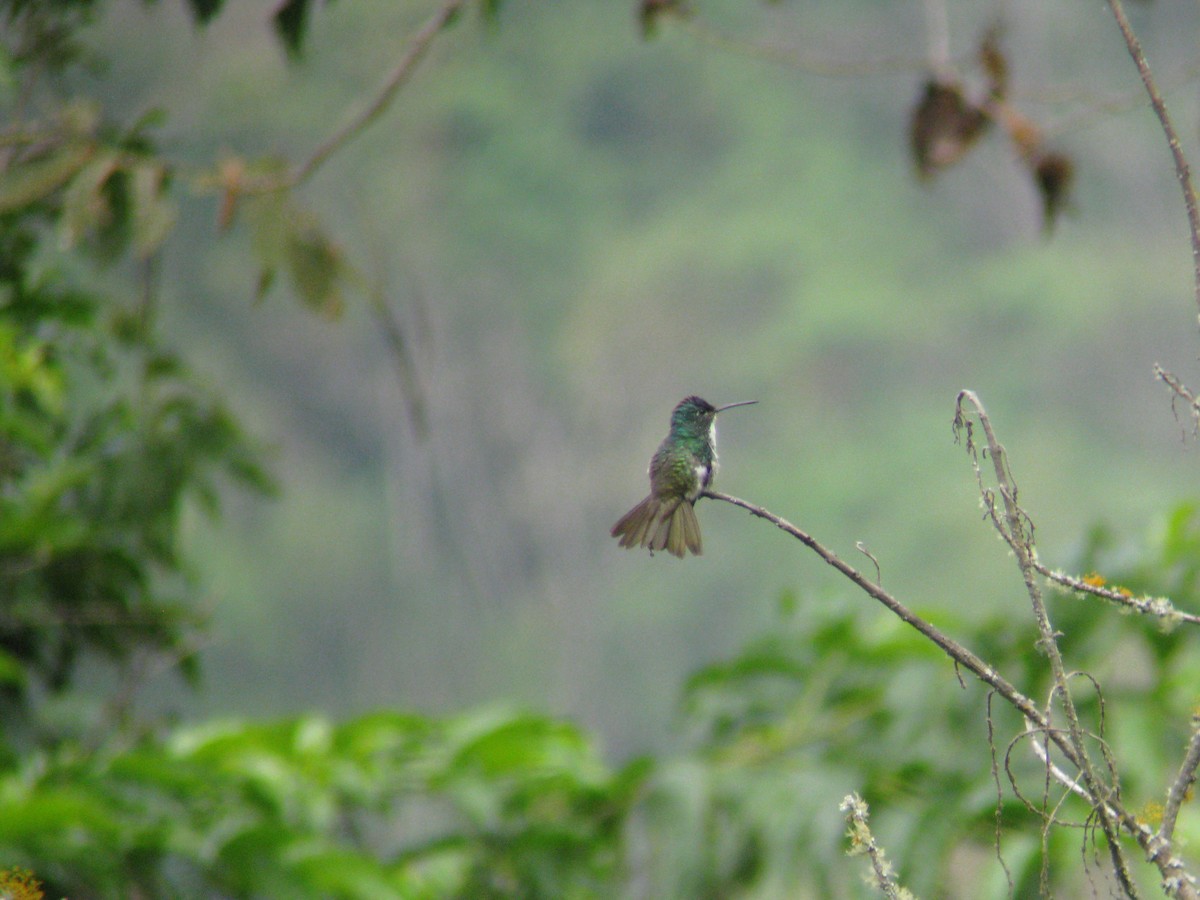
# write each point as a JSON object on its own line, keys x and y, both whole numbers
{"x": 1151, "y": 813}
{"x": 19, "y": 884}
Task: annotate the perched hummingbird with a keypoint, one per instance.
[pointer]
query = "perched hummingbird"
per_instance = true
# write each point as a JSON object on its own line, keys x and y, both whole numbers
{"x": 680, "y": 469}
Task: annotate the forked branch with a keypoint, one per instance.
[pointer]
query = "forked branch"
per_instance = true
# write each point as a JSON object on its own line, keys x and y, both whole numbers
{"x": 1017, "y": 530}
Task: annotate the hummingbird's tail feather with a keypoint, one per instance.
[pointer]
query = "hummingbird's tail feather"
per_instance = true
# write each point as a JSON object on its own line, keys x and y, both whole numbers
{"x": 669, "y": 525}
{"x": 689, "y": 527}
{"x": 633, "y": 527}
{"x": 679, "y": 531}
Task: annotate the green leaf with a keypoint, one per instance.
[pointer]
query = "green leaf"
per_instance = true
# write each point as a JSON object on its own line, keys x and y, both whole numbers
{"x": 203, "y": 11}
{"x": 315, "y": 265}
{"x": 264, "y": 282}
{"x": 341, "y": 873}
{"x": 269, "y": 214}
{"x": 291, "y": 25}
{"x": 153, "y": 214}
{"x": 249, "y": 862}
{"x": 86, "y": 208}
{"x": 28, "y": 182}
{"x": 490, "y": 9}
{"x": 12, "y": 673}
{"x": 289, "y": 238}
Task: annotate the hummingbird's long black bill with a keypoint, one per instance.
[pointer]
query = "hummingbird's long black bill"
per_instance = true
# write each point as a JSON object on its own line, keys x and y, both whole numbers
{"x": 732, "y": 405}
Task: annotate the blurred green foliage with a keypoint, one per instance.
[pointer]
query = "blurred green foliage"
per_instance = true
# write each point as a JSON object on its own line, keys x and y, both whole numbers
{"x": 105, "y": 434}
{"x": 491, "y": 803}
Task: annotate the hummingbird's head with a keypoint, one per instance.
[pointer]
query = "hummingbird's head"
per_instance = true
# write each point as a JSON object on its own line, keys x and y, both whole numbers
{"x": 696, "y": 414}
{"x": 692, "y": 414}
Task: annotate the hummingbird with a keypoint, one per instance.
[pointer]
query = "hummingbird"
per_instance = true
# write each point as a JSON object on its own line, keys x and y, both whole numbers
{"x": 680, "y": 469}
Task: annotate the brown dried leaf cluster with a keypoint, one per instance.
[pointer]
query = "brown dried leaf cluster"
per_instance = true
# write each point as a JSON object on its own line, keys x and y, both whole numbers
{"x": 946, "y": 124}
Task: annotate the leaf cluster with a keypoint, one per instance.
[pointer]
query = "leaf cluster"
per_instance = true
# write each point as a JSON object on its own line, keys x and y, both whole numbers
{"x": 104, "y": 439}
{"x": 493, "y": 803}
{"x": 106, "y": 436}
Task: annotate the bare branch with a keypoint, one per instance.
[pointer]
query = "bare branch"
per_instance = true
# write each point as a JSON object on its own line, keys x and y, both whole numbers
{"x": 1182, "y": 171}
{"x": 414, "y": 52}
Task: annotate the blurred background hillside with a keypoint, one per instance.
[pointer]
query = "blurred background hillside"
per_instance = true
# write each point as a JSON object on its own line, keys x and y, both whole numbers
{"x": 578, "y": 227}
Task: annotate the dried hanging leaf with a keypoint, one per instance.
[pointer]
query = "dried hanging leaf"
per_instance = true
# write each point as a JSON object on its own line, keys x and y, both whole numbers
{"x": 231, "y": 177}
{"x": 1053, "y": 173}
{"x": 994, "y": 63}
{"x": 1023, "y": 132}
{"x": 944, "y": 126}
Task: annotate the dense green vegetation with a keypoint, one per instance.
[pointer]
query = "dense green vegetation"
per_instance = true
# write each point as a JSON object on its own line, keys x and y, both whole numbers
{"x": 423, "y": 669}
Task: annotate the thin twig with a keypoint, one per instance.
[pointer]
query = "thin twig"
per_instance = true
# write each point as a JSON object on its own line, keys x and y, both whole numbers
{"x": 402, "y": 360}
{"x": 861, "y": 547}
{"x": 795, "y": 59}
{"x": 1176, "y": 881}
{"x": 999, "y": 818}
{"x": 413, "y": 54}
{"x": 1093, "y": 109}
{"x": 1042, "y": 752}
{"x": 1182, "y": 171}
{"x": 1182, "y": 783}
{"x": 937, "y": 32}
{"x": 1049, "y": 816}
{"x": 1182, "y": 392}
